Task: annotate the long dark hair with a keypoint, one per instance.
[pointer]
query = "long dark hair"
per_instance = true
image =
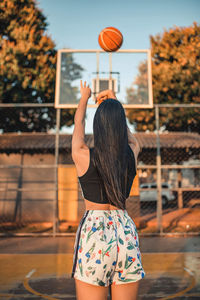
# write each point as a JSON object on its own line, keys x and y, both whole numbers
{"x": 110, "y": 149}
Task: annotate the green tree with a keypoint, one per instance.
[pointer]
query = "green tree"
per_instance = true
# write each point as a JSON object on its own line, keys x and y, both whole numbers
{"x": 175, "y": 77}
{"x": 28, "y": 68}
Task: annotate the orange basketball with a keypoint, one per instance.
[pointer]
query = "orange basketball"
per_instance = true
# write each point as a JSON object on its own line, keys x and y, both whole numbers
{"x": 110, "y": 39}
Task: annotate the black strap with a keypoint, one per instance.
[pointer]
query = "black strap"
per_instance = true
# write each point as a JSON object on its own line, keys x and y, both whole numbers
{"x": 78, "y": 233}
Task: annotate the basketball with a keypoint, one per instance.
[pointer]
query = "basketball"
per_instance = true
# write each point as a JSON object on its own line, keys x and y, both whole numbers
{"x": 110, "y": 39}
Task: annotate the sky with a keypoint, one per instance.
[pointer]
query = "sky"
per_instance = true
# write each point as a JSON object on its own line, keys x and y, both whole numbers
{"x": 76, "y": 24}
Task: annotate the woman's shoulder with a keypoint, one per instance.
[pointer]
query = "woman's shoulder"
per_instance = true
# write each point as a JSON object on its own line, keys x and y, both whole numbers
{"x": 82, "y": 160}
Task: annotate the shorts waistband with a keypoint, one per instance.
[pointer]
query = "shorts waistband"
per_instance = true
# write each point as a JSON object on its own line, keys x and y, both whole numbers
{"x": 112, "y": 212}
{"x": 107, "y": 210}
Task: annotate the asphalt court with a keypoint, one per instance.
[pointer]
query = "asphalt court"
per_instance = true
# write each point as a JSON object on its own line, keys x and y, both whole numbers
{"x": 39, "y": 268}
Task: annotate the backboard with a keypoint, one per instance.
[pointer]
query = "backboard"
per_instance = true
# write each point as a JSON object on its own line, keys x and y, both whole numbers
{"x": 126, "y": 72}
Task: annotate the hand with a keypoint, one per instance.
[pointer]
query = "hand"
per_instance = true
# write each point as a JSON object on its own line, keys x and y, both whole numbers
{"x": 85, "y": 90}
{"x": 105, "y": 95}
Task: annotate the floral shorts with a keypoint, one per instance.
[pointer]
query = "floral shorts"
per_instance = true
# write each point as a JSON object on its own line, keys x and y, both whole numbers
{"x": 106, "y": 249}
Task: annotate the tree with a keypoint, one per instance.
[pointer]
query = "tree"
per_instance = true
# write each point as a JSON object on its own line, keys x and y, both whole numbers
{"x": 175, "y": 77}
{"x": 28, "y": 68}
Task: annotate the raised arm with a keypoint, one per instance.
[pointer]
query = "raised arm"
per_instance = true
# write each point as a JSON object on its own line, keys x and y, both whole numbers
{"x": 78, "y": 136}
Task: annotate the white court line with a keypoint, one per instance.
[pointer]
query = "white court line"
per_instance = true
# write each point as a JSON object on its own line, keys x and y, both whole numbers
{"x": 189, "y": 271}
{"x": 30, "y": 273}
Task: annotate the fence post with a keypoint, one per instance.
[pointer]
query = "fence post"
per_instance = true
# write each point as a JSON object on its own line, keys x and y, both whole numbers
{"x": 180, "y": 194}
{"x": 55, "y": 206}
{"x": 158, "y": 163}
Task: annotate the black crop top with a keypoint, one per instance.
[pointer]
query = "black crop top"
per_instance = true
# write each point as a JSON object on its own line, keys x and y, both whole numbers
{"x": 91, "y": 185}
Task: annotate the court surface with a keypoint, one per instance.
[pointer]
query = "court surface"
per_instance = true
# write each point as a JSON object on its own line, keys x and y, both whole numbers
{"x": 39, "y": 268}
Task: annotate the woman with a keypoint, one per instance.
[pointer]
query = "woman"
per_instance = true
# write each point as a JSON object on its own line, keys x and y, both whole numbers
{"x": 106, "y": 250}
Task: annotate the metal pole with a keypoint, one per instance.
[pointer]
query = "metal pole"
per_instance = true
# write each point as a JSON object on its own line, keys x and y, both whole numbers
{"x": 110, "y": 71}
{"x": 150, "y": 88}
{"x": 97, "y": 81}
{"x": 158, "y": 162}
{"x": 55, "y": 207}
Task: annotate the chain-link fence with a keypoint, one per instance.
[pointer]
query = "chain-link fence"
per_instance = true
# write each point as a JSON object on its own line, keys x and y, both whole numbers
{"x": 170, "y": 172}
{"x": 40, "y": 193}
